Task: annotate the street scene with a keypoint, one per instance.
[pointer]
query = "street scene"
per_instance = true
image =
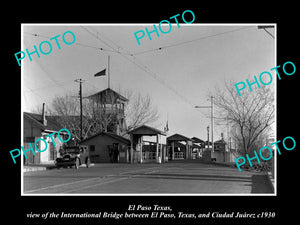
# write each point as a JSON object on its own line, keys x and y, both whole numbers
{"x": 170, "y": 178}
{"x": 159, "y": 116}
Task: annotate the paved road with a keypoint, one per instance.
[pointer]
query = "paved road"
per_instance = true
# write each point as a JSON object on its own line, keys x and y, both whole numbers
{"x": 168, "y": 178}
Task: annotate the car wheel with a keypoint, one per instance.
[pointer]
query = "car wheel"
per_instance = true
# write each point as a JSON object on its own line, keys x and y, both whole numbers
{"x": 87, "y": 162}
{"x": 77, "y": 163}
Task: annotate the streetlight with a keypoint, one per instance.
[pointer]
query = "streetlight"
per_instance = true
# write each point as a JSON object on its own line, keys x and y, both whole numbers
{"x": 212, "y": 120}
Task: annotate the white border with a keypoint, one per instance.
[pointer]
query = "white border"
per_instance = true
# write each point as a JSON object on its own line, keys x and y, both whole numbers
{"x": 146, "y": 24}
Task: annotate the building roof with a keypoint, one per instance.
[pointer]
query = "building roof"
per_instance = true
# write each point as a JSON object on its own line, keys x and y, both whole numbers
{"x": 197, "y": 140}
{"x": 220, "y": 142}
{"x": 110, "y": 134}
{"x": 108, "y": 96}
{"x": 178, "y": 137}
{"x": 52, "y": 124}
{"x": 146, "y": 130}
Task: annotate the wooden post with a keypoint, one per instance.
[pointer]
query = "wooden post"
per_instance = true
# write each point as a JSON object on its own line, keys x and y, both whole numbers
{"x": 161, "y": 151}
{"x": 186, "y": 150}
{"x": 173, "y": 151}
{"x": 141, "y": 149}
{"x": 131, "y": 148}
{"x": 157, "y": 148}
{"x": 127, "y": 155}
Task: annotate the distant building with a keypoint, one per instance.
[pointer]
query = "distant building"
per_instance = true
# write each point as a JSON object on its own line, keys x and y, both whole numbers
{"x": 176, "y": 149}
{"x": 220, "y": 153}
{"x": 198, "y": 147}
{"x": 38, "y": 126}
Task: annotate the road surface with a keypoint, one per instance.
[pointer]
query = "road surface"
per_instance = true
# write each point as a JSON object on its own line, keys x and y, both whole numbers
{"x": 169, "y": 178}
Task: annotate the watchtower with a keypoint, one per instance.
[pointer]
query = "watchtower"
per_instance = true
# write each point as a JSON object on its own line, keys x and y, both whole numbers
{"x": 111, "y": 105}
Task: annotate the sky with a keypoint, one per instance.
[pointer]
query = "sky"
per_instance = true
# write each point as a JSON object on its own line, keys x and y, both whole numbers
{"x": 177, "y": 70}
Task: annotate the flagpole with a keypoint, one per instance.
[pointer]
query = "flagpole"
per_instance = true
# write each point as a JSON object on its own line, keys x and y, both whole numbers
{"x": 108, "y": 72}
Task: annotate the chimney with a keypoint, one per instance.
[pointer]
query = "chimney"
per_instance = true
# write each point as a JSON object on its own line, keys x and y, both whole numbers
{"x": 44, "y": 121}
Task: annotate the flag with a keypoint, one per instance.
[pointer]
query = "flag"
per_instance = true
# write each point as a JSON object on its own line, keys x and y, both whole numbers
{"x": 101, "y": 73}
{"x": 166, "y": 128}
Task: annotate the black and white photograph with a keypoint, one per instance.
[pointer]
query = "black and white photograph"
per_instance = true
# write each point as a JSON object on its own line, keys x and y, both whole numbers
{"x": 160, "y": 117}
{"x": 145, "y": 114}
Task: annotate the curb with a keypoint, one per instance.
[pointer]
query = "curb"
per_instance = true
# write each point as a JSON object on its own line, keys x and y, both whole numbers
{"x": 39, "y": 167}
{"x": 33, "y": 168}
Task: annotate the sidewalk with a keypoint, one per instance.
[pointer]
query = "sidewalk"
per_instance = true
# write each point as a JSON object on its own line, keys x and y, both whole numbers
{"x": 48, "y": 166}
{"x": 38, "y": 167}
{"x": 232, "y": 164}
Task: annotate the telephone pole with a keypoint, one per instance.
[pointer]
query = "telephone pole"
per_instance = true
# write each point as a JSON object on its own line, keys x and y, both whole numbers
{"x": 80, "y": 81}
{"x": 212, "y": 120}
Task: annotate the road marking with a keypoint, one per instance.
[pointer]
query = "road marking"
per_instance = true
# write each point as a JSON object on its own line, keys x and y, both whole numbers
{"x": 98, "y": 184}
{"x": 60, "y": 185}
{"x": 85, "y": 180}
{"x": 115, "y": 180}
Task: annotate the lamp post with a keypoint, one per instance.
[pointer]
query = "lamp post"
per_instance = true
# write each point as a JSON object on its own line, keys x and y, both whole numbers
{"x": 212, "y": 119}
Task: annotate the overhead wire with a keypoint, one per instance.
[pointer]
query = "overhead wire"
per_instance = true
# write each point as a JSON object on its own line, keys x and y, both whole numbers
{"x": 141, "y": 66}
{"x": 131, "y": 56}
{"x": 76, "y": 43}
{"x": 35, "y": 91}
{"x": 190, "y": 41}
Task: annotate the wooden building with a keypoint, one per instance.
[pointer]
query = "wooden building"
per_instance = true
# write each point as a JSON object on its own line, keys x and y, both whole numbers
{"x": 107, "y": 147}
{"x": 198, "y": 148}
{"x": 154, "y": 152}
{"x": 111, "y": 106}
{"x": 177, "y": 150}
{"x": 38, "y": 126}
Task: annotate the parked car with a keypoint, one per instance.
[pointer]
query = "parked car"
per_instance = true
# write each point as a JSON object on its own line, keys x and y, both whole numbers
{"x": 73, "y": 156}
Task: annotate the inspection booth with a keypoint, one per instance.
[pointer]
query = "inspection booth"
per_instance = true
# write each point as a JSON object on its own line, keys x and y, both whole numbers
{"x": 147, "y": 145}
{"x": 179, "y": 147}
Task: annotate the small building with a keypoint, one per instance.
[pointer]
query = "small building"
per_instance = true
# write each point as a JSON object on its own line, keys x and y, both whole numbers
{"x": 198, "y": 147}
{"x": 177, "y": 150}
{"x": 154, "y": 151}
{"x": 219, "y": 154}
{"x": 38, "y": 126}
{"x": 107, "y": 147}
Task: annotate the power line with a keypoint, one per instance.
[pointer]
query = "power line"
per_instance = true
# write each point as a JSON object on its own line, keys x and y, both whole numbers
{"x": 266, "y": 26}
{"x": 142, "y": 66}
{"x": 75, "y": 43}
{"x": 131, "y": 57}
{"x": 190, "y": 41}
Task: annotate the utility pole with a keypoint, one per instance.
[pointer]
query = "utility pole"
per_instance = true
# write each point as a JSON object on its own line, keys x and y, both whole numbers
{"x": 207, "y": 137}
{"x": 108, "y": 72}
{"x": 212, "y": 119}
{"x": 212, "y": 123}
{"x": 80, "y": 81}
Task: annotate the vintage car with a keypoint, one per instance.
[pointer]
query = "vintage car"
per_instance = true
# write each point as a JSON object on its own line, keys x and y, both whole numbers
{"x": 73, "y": 156}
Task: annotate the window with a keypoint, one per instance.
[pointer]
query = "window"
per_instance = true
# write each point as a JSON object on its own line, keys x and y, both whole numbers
{"x": 92, "y": 148}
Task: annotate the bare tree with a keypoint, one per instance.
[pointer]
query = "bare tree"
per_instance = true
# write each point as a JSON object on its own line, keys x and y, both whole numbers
{"x": 140, "y": 111}
{"x": 66, "y": 111}
{"x": 102, "y": 114}
{"x": 250, "y": 115}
